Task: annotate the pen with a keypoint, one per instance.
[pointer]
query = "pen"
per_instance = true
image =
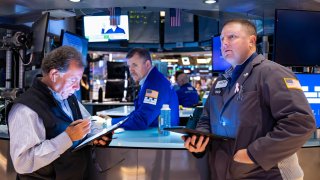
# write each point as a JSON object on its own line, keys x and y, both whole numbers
{"x": 74, "y": 123}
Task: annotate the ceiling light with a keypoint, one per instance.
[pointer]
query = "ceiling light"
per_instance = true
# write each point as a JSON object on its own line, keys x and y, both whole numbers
{"x": 75, "y": 0}
{"x": 209, "y": 1}
{"x": 162, "y": 13}
{"x": 169, "y": 60}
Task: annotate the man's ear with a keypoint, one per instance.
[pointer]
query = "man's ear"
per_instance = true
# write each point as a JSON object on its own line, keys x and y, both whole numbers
{"x": 53, "y": 74}
{"x": 253, "y": 40}
{"x": 149, "y": 63}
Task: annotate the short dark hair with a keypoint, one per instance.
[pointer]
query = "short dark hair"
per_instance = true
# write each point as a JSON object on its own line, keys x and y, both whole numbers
{"x": 143, "y": 53}
{"x": 60, "y": 59}
{"x": 251, "y": 28}
{"x": 177, "y": 74}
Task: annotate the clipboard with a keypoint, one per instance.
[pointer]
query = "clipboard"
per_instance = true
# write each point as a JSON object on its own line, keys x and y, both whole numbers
{"x": 190, "y": 132}
{"x": 99, "y": 134}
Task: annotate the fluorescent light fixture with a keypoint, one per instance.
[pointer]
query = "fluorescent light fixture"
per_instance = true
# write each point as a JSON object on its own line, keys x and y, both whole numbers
{"x": 185, "y": 60}
{"x": 169, "y": 60}
{"x": 162, "y": 13}
{"x": 209, "y": 1}
{"x": 75, "y": 0}
{"x": 203, "y": 61}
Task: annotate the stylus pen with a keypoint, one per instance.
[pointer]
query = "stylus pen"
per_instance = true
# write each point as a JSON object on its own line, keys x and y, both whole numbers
{"x": 74, "y": 123}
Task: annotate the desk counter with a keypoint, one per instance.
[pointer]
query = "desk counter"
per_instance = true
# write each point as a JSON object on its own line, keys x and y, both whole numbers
{"x": 126, "y": 110}
{"x": 146, "y": 155}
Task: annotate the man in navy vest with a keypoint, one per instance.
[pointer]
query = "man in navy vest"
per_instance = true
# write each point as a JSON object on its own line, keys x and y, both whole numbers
{"x": 155, "y": 91}
{"x": 47, "y": 121}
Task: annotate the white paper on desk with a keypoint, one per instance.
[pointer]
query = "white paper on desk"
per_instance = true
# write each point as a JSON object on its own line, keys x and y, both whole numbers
{"x": 99, "y": 134}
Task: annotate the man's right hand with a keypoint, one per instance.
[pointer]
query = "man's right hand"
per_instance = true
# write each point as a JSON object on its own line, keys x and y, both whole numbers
{"x": 78, "y": 129}
{"x": 192, "y": 145}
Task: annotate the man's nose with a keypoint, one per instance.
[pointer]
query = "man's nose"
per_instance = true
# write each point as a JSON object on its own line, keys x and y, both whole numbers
{"x": 131, "y": 70}
{"x": 76, "y": 86}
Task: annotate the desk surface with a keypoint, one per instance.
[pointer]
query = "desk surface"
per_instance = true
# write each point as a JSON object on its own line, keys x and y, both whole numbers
{"x": 126, "y": 110}
{"x": 149, "y": 139}
{"x": 116, "y": 103}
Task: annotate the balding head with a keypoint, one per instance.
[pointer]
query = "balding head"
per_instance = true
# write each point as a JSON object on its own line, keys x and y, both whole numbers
{"x": 182, "y": 79}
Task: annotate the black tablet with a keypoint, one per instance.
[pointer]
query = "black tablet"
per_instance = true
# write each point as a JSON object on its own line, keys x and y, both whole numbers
{"x": 190, "y": 132}
{"x": 99, "y": 134}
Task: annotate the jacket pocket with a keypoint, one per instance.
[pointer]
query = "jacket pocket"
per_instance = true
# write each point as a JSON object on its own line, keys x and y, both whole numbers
{"x": 241, "y": 170}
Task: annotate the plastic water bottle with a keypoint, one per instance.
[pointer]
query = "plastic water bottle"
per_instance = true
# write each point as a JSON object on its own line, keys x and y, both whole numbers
{"x": 164, "y": 119}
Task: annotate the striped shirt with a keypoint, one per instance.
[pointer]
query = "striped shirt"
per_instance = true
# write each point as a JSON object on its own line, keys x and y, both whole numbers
{"x": 29, "y": 148}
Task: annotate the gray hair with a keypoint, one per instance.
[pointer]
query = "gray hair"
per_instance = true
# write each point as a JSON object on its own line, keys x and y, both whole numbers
{"x": 143, "y": 53}
{"x": 184, "y": 77}
{"x": 60, "y": 59}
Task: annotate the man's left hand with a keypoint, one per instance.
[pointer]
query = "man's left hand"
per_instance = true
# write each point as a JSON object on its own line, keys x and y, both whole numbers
{"x": 104, "y": 140}
{"x": 242, "y": 157}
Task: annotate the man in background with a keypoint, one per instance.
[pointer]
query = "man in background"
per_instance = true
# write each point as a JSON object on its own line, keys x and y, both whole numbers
{"x": 47, "y": 122}
{"x": 113, "y": 29}
{"x": 155, "y": 90}
{"x": 187, "y": 94}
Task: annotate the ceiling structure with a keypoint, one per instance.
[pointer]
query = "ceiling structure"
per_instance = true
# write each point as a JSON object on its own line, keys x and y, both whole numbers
{"x": 13, "y": 9}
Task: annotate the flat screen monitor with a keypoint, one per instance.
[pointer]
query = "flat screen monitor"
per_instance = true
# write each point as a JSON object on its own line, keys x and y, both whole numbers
{"x": 39, "y": 33}
{"x": 98, "y": 28}
{"x": 116, "y": 70}
{"x": 297, "y": 38}
{"x": 114, "y": 89}
{"x": 218, "y": 63}
{"x": 78, "y": 42}
{"x": 29, "y": 77}
{"x": 311, "y": 86}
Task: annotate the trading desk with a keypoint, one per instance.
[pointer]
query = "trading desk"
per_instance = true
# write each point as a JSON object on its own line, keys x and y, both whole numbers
{"x": 126, "y": 110}
{"x": 145, "y": 155}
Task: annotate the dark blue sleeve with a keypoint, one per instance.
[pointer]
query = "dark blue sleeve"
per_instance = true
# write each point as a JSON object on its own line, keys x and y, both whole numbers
{"x": 145, "y": 113}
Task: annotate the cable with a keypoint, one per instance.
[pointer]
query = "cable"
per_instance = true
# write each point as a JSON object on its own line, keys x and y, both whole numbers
{"x": 22, "y": 59}
{"x": 14, "y": 70}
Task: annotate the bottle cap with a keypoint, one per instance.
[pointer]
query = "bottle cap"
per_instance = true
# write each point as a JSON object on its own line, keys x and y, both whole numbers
{"x": 165, "y": 106}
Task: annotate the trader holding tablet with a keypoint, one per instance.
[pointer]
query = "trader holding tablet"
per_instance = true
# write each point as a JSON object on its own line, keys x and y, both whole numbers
{"x": 47, "y": 122}
{"x": 259, "y": 103}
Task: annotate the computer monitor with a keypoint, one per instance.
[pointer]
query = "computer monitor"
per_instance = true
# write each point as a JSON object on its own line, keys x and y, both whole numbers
{"x": 218, "y": 63}
{"x": 39, "y": 33}
{"x": 297, "y": 37}
{"x": 98, "y": 28}
{"x": 29, "y": 77}
{"x": 116, "y": 70}
{"x": 115, "y": 89}
{"x": 311, "y": 86}
{"x": 78, "y": 42}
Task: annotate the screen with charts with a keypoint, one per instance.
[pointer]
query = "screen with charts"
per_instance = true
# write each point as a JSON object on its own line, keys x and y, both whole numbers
{"x": 98, "y": 28}
{"x": 218, "y": 63}
{"x": 76, "y": 41}
{"x": 311, "y": 86}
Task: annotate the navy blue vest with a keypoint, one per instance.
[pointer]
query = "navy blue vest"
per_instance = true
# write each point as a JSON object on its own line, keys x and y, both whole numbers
{"x": 70, "y": 165}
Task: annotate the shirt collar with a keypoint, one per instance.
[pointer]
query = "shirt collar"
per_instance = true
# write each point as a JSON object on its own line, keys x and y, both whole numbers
{"x": 141, "y": 82}
{"x": 56, "y": 95}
